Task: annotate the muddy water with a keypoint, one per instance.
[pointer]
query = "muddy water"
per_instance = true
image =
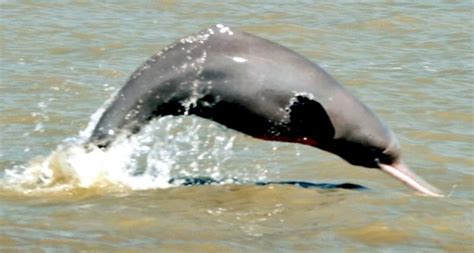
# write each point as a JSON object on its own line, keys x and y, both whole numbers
{"x": 411, "y": 63}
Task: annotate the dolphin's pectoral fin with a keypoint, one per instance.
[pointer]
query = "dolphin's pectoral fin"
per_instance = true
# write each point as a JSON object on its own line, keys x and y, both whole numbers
{"x": 309, "y": 120}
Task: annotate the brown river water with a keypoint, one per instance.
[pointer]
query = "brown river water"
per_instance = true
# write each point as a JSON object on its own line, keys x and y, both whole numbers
{"x": 412, "y": 63}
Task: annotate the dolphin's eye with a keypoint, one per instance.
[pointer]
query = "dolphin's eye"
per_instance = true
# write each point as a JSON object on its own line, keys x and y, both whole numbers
{"x": 386, "y": 157}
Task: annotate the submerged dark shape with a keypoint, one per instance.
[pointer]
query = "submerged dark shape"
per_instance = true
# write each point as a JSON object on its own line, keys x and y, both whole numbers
{"x": 259, "y": 88}
{"x": 325, "y": 186}
{"x": 190, "y": 181}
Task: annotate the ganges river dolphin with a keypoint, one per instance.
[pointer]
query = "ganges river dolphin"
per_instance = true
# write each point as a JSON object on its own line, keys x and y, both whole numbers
{"x": 259, "y": 88}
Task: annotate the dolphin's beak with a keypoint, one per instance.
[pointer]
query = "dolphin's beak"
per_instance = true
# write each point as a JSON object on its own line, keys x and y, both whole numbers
{"x": 404, "y": 174}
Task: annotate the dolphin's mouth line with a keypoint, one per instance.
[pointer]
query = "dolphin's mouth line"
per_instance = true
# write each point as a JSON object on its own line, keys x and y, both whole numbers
{"x": 404, "y": 174}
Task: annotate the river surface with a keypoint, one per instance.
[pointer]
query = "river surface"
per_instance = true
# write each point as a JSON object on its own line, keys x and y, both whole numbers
{"x": 412, "y": 63}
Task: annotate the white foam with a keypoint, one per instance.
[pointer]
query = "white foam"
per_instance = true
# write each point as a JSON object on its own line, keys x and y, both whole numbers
{"x": 224, "y": 29}
{"x": 171, "y": 147}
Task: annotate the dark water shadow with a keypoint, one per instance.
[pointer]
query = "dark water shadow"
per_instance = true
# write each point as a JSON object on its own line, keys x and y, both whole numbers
{"x": 190, "y": 181}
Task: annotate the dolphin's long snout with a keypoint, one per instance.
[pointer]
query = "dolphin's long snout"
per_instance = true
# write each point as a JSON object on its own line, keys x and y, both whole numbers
{"x": 408, "y": 177}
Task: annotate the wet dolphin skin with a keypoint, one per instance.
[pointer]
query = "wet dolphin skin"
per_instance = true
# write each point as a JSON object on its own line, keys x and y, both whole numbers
{"x": 259, "y": 88}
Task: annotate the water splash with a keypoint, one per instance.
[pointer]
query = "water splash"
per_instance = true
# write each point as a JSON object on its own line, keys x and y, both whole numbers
{"x": 167, "y": 148}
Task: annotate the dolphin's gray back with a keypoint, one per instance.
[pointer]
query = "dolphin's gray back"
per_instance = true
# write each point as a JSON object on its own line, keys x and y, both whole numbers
{"x": 241, "y": 81}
